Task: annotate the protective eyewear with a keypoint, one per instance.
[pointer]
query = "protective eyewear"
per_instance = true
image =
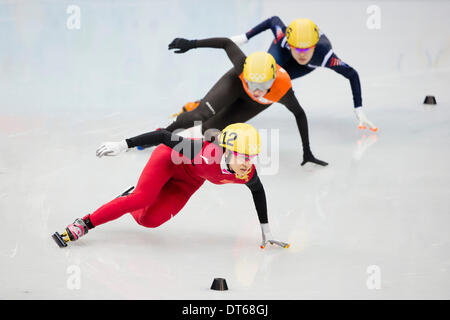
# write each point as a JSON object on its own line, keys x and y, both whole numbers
{"x": 244, "y": 157}
{"x": 301, "y": 50}
{"x": 262, "y": 86}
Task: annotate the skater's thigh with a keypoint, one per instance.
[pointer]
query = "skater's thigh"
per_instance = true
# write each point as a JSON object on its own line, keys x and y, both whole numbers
{"x": 171, "y": 199}
{"x": 158, "y": 170}
{"x": 225, "y": 92}
{"x": 222, "y": 94}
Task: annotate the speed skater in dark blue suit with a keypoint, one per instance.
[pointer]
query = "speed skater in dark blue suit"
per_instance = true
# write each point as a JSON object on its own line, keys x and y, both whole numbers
{"x": 301, "y": 48}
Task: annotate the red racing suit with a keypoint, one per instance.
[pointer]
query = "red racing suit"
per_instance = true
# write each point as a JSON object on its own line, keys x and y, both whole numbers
{"x": 175, "y": 170}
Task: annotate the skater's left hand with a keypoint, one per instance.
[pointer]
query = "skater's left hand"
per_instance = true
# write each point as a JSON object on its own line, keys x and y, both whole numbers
{"x": 309, "y": 157}
{"x": 267, "y": 237}
{"x": 363, "y": 121}
{"x": 112, "y": 148}
{"x": 182, "y": 45}
{"x": 239, "y": 39}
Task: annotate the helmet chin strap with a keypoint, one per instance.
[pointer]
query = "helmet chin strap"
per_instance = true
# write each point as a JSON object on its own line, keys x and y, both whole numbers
{"x": 245, "y": 175}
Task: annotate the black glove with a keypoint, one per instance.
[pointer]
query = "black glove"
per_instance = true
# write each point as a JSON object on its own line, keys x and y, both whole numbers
{"x": 308, "y": 157}
{"x": 182, "y": 45}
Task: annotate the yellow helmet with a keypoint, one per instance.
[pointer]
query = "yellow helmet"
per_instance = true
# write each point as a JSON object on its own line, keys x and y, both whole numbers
{"x": 241, "y": 138}
{"x": 259, "y": 70}
{"x": 302, "y": 33}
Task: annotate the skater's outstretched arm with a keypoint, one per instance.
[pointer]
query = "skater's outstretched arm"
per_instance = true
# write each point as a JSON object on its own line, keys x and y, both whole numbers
{"x": 337, "y": 65}
{"x": 186, "y": 146}
{"x": 259, "y": 198}
{"x": 273, "y": 23}
{"x": 291, "y": 102}
{"x": 235, "y": 54}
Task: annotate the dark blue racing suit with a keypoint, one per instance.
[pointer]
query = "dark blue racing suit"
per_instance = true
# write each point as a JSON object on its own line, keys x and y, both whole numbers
{"x": 323, "y": 56}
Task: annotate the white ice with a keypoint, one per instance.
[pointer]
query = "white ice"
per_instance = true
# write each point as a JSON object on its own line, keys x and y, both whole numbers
{"x": 380, "y": 210}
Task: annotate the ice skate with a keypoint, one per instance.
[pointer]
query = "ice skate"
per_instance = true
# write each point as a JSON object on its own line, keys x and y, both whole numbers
{"x": 72, "y": 232}
{"x": 79, "y": 227}
{"x": 126, "y": 192}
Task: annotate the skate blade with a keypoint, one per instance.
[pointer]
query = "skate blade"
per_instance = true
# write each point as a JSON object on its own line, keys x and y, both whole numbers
{"x": 59, "y": 240}
{"x": 126, "y": 192}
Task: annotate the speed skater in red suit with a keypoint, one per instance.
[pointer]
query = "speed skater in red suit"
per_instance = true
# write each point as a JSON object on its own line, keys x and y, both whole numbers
{"x": 177, "y": 168}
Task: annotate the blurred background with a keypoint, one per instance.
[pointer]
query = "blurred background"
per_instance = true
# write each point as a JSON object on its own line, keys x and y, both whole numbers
{"x": 118, "y": 59}
{"x": 74, "y": 74}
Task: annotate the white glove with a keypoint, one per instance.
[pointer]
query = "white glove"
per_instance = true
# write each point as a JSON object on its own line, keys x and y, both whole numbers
{"x": 239, "y": 39}
{"x": 267, "y": 237}
{"x": 112, "y": 148}
{"x": 363, "y": 121}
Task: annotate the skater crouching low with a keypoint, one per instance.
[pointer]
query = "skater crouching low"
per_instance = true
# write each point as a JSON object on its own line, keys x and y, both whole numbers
{"x": 177, "y": 168}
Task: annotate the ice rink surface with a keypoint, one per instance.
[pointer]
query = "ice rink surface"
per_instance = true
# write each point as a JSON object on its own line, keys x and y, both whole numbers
{"x": 380, "y": 210}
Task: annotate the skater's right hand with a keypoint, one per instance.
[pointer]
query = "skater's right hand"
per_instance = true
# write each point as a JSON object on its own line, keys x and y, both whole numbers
{"x": 309, "y": 157}
{"x": 112, "y": 148}
{"x": 182, "y": 45}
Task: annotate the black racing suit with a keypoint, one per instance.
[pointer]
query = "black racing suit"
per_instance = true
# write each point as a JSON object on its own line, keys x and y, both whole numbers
{"x": 227, "y": 102}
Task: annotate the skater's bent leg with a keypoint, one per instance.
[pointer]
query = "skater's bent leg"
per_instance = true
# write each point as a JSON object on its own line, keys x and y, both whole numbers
{"x": 224, "y": 92}
{"x": 171, "y": 200}
{"x": 155, "y": 175}
{"x": 187, "y": 120}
